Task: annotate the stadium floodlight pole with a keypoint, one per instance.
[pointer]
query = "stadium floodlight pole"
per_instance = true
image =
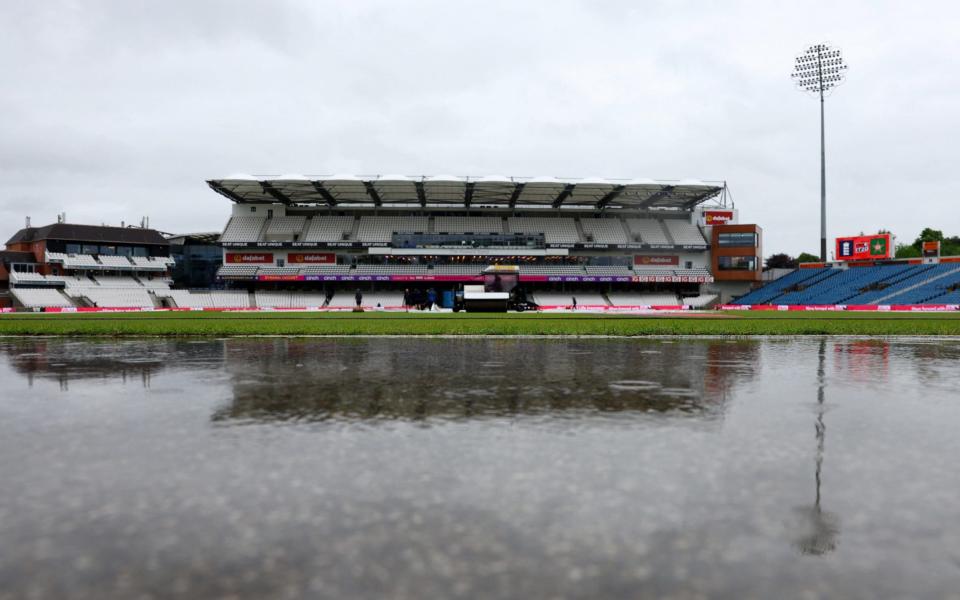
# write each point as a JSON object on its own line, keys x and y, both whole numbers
{"x": 819, "y": 69}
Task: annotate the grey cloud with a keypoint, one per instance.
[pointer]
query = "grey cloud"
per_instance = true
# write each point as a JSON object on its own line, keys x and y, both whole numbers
{"x": 112, "y": 110}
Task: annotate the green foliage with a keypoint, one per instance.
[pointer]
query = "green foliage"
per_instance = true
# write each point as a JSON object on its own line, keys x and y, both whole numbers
{"x": 949, "y": 246}
{"x": 781, "y": 261}
{"x": 806, "y": 257}
{"x": 928, "y": 235}
{"x": 906, "y": 251}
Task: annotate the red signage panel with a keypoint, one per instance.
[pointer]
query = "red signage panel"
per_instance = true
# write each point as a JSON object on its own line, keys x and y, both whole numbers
{"x": 931, "y": 249}
{"x": 436, "y": 278}
{"x": 311, "y": 258}
{"x": 864, "y": 247}
{"x": 249, "y": 258}
{"x": 280, "y": 278}
{"x": 717, "y": 217}
{"x": 655, "y": 260}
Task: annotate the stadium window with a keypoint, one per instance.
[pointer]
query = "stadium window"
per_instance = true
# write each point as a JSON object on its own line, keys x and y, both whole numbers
{"x": 90, "y": 249}
{"x": 737, "y": 240}
{"x": 253, "y": 209}
{"x": 139, "y": 251}
{"x": 108, "y": 250}
{"x": 73, "y": 248}
{"x": 737, "y": 263}
{"x": 124, "y": 251}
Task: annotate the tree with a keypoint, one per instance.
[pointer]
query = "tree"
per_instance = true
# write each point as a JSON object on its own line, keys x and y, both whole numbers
{"x": 906, "y": 251}
{"x": 781, "y": 261}
{"x": 806, "y": 257}
{"x": 928, "y": 235}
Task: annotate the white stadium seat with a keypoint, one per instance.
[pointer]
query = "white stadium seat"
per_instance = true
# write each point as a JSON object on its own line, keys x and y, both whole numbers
{"x": 207, "y": 299}
{"x": 332, "y": 228}
{"x": 553, "y": 298}
{"x": 289, "y": 299}
{"x": 684, "y": 233}
{"x": 648, "y": 230}
{"x": 604, "y": 230}
{"x": 700, "y": 301}
{"x": 237, "y": 271}
{"x": 286, "y": 228}
{"x": 556, "y": 230}
{"x": 40, "y": 297}
{"x": 468, "y": 224}
{"x": 642, "y": 299}
{"x": 243, "y": 229}
{"x": 114, "y": 297}
{"x": 381, "y": 229}
{"x": 117, "y": 282}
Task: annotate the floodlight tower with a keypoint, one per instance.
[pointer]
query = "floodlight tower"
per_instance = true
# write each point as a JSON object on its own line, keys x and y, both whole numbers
{"x": 819, "y": 69}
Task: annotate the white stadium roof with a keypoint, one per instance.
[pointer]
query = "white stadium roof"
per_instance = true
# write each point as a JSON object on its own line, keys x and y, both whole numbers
{"x": 459, "y": 191}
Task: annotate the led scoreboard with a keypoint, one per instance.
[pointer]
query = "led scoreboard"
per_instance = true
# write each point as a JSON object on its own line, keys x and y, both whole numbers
{"x": 865, "y": 247}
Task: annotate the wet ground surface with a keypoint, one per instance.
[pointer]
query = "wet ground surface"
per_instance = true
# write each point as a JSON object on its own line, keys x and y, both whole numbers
{"x": 479, "y": 468}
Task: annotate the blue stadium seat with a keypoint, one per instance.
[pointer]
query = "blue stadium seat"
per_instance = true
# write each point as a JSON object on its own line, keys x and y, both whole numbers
{"x": 910, "y": 275}
{"x": 775, "y": 288}
{"x": 891, "y": 284}
{"x": 938, "y": 282}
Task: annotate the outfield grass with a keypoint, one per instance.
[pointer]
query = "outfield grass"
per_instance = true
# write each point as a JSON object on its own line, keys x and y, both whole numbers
{"x": 287, "y": 323}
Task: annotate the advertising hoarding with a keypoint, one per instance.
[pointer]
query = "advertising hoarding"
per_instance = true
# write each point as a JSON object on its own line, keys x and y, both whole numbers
{"x": 250, "y": 258}
{"x": 311, "y": 258}
{"x": 717, "y": 217}
{"x": 656, "y": 259}
{"x": 931, "y": 249}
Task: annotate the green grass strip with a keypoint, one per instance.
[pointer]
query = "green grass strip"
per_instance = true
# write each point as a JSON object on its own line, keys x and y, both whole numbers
{"x": 286, "y": 323}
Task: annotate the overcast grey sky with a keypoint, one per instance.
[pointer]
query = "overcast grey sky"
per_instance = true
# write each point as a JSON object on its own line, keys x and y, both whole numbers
{"x": 117, "y": 109}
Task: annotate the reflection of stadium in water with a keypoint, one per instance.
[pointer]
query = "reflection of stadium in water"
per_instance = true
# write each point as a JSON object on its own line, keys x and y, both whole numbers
{"x": 315, "y": 380}
{"x": 128, "y": 360}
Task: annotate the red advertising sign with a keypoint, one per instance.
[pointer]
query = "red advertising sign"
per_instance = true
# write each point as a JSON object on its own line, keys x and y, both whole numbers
{"x": 717, "y": 217}
{"x": 864, "y": 247}
{"x": 436, "y": 278}
{"x": 655, "y": 260}
{"x": 249, "y": 258}
{"x": 312, "y": 258}
{"x": 931, "y": 249}
{"x": 279, "y": 278}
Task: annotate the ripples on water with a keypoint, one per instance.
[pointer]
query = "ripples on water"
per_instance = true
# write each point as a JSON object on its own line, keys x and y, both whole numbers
{"x": 479, "y": 468}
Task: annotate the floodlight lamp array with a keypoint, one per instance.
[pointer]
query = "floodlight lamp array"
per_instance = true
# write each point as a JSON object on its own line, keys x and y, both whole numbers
{"x": 819, "y": 69}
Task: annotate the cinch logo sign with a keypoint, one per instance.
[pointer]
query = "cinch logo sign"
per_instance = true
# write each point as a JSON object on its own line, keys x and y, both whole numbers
{"x": 864, "y": 247}
{"x": 717, "y": 217}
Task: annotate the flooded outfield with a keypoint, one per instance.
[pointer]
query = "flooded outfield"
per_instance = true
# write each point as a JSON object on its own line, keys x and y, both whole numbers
{"x": 428, "y": 468}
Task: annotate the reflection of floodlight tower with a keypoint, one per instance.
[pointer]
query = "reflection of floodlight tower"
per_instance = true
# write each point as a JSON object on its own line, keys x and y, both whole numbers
{"x": 818, "y": 528}
{"x": 819, "y": 69}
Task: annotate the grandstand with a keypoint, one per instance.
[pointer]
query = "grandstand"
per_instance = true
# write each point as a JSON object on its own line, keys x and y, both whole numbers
{"x": 65, "y": 265}
{"x": 322, "y": 237}
{"x": 911, "y": 282}
{"x": 294, "y": 242}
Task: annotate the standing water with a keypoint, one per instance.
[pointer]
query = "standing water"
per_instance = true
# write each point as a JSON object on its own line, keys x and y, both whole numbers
{"x": 500, "y": 468}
